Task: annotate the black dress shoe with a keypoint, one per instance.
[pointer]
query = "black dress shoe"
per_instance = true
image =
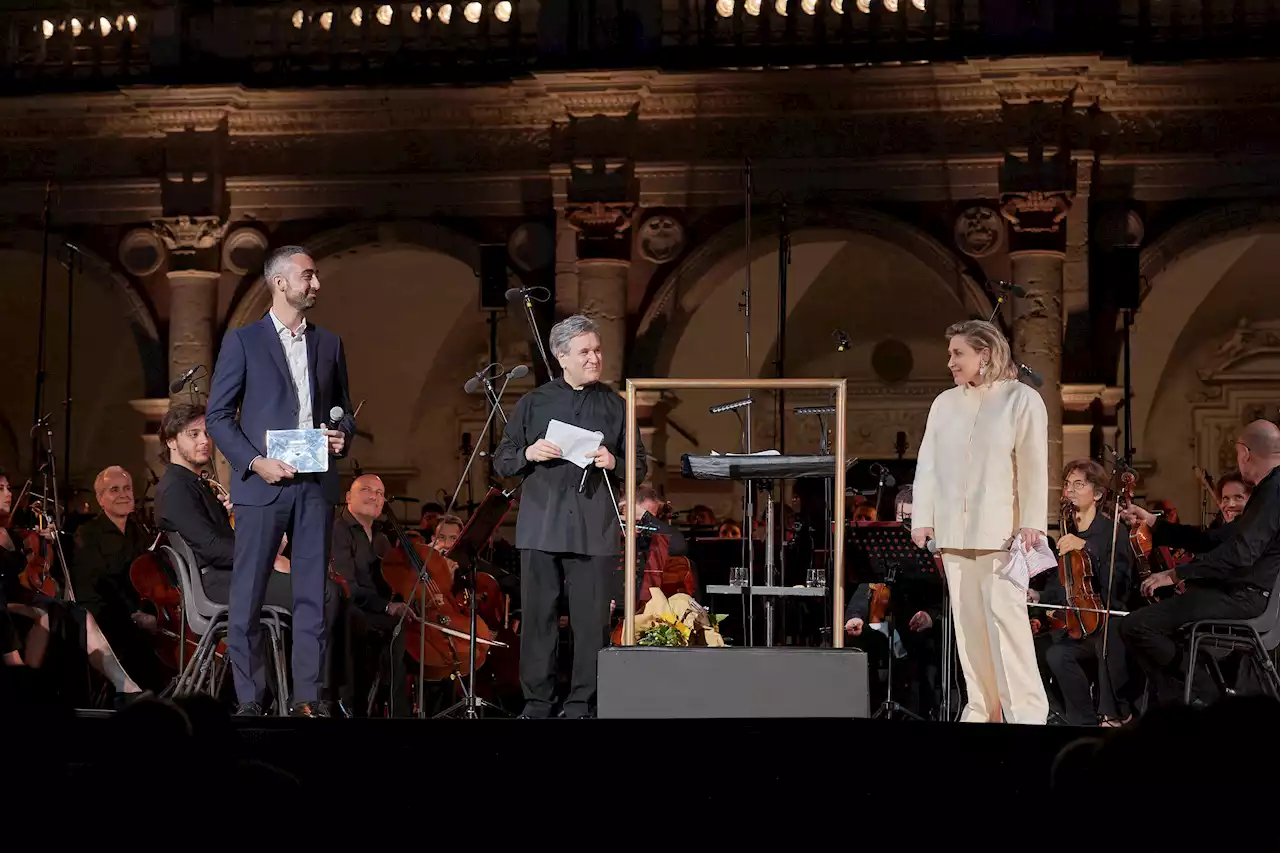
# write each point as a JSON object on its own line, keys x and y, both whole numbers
{"x": 309, "y": 709}
{"x": 248, "y": 709}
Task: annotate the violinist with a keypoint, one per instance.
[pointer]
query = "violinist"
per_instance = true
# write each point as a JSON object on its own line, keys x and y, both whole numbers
{"x": 188, "y": 506}
{"x": 358, "y": 549}
{"x": 1073, "y": 662}
{"x": 51, "y": 620}
{"x": 1232, "y": 576}
{"x": 916, "y": 606}
{"x": 981, "y": 488}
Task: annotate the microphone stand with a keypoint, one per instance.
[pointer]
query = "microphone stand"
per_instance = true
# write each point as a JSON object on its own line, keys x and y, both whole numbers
{"x": 42, "y": 326}
{"x": 526, "y": 295}
{"x": 71, "y": 301}
{"x": 749, "y": 507}
{"x": 495, "y": 407}
{"x": 49, "y": 476}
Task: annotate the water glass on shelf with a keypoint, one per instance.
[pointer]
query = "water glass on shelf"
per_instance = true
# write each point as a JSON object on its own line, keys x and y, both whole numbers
{"x": 817, "y": 578}
{"x": 738, "y": 576}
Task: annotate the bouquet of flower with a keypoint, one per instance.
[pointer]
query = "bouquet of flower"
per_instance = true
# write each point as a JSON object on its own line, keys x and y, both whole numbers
{"x": 677, "y": 621}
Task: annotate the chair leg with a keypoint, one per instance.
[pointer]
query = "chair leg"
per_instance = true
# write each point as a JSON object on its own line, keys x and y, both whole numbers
{"x": 1193, "y": 645}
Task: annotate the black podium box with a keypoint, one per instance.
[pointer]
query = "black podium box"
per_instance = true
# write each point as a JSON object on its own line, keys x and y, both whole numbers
{"x": 640, "y": 682}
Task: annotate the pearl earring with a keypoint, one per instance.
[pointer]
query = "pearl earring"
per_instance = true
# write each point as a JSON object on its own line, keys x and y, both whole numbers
{"x": 982, "y": 369}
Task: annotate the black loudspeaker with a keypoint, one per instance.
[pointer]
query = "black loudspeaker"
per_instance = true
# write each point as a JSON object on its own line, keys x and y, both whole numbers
{"x": 651, "y": 683}
{"x": 493, "y": 277}
{"x": 1120, "y": 270}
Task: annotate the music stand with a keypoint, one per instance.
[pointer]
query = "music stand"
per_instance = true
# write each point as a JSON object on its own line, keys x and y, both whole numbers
{"x": 474, "y": 538}
{"x": 890, "y": 552}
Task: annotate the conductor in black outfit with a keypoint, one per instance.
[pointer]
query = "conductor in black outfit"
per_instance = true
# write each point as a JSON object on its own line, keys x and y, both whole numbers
{"x": 567, "y": 532}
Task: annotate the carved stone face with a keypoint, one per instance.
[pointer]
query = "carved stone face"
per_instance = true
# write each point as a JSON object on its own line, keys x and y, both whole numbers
{"x": 979, "y": 232}
{"x": 661, "y": 238}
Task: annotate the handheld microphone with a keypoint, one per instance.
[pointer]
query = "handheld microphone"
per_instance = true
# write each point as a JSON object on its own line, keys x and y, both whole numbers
{"x": 176, "y": 386}
{"x": 335, "y": 417}
{"x": 931, "y": 545}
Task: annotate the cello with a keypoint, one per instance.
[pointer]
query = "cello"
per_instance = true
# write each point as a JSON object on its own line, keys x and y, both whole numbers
{"x": 1083, "y": 612}
{"x": 440, "y": 654}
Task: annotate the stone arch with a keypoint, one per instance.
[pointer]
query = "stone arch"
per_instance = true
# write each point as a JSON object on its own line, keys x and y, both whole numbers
{"x": 687, "y": 286}
{"x": 255, "y": 300}
{"x": 133, "y": 304}
{"x": 1210, "y": 238}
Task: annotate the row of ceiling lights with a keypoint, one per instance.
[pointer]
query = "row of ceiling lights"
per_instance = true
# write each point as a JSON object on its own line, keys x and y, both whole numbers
{"x": 725, "y": 8}
{"x": 103, "y": 25}
{"x": 383, "y": 14}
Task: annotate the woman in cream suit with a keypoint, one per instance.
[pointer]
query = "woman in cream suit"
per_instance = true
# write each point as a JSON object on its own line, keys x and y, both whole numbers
{"x": 982, "y": 479}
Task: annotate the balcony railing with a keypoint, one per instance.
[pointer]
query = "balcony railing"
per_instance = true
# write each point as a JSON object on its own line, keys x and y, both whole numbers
{"x": 59, "y": 45}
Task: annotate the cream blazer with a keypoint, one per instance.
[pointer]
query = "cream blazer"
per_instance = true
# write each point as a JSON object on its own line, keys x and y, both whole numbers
{"x": 982, "y": 471}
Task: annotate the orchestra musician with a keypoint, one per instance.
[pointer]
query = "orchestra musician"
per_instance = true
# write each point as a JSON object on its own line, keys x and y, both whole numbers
{"x": 567, "y": 531}
{"x": 659, "y": 545}
{"x": 187, "y": 504}
{"x": 49, "y": 617}
{"x": 105, "y": 548}
{"x": 280, "y": 373}
{"x": 981, "y": 487}
{"x": 916, "y": 607}
{"x": 1233, "y": 494}
{"x": 358, "y": 549}
{"x": 1232, "y": 577}
{"x": 1070, "y": 660}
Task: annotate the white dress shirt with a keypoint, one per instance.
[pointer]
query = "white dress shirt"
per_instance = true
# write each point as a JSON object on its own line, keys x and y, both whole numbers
{"x": 982, "y": 471}
{"x": 295, "y": 355}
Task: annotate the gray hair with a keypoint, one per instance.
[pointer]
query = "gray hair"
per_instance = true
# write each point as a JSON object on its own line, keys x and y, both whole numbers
{"x": 277, "y": 262}
{"x": 568, "y": 329}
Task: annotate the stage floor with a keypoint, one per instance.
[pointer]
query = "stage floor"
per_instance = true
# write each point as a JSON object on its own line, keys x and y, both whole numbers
{"x": 828, "y": 770}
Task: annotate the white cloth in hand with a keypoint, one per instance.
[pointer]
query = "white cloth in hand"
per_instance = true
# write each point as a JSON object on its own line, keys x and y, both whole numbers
{"x": 1024, "y": 565}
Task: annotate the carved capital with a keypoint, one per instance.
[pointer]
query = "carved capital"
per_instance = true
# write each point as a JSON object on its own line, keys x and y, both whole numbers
{"x": 187, "y": 234}
{"x": 600, "y": 220}
{"x": 1036, "y": 211}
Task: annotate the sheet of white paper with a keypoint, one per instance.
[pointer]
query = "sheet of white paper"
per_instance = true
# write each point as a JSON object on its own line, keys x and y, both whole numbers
{"x": 575, "y": 443}
{"x": 757, "y": 453}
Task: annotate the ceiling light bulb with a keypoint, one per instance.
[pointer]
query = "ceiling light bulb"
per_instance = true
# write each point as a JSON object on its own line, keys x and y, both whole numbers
{"x": 780, "y": 6}
{"x": 357, "y": 16}
{"x": 809, "y": 7}
{"x": 472, "y": 11}
{"x": 502, "y": 11}
{"x": 837, "y": 6}
{"x": 326, "y": 20}
{"x": 76, "y": 29}
{"x": 298, "y": 19}
{"x": 446, "y": 13}
{"x": 724, "y": 8}
{"x": 751, "y": 7}
{"x": 46, "y": 28}
{"x": 891, "y": 5}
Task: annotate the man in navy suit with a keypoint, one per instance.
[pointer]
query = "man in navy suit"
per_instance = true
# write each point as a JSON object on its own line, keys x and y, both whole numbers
{"x": 280, "y": 373}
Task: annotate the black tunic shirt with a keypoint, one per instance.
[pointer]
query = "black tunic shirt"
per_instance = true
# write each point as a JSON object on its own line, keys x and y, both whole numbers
{"x": 358, "y": 561}
{"x": 1097, "y": 544}
{"x": 187, "y": 506}
{"x": 1247, "y": 551}
{"x": 100, "y": 570}
{"x": 554, "y": 516}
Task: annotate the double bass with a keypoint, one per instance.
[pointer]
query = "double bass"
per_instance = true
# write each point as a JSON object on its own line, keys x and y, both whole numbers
{"x": 1082, "y": 614}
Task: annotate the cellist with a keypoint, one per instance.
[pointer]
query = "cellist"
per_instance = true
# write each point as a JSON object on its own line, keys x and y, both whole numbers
{"x": 1078, "y": 665}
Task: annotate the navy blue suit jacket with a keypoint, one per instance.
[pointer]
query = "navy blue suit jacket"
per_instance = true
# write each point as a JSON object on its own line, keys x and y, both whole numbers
{"x": 253, "y": 392}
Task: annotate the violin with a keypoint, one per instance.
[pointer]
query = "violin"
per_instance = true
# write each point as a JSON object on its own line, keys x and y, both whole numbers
{"x": 440, "y": 654}
{"x": 222, "y": 494}
{"x": 1142, "y": 542}
{"x": 879, "y": 608}
{"x": 1075, "y": 573}
{"x": 37, "y": 574}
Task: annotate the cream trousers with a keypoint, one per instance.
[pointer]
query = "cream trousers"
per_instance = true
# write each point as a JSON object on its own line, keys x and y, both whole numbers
{"x": 993, "y": 639}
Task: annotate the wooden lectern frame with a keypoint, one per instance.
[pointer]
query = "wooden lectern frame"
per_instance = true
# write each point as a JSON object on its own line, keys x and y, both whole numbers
{"x": 840, "y": 386}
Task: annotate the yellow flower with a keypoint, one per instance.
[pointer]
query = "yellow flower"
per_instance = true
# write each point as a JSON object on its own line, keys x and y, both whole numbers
{"x": 668, "y": 617}
{"x": 684, "y": 629}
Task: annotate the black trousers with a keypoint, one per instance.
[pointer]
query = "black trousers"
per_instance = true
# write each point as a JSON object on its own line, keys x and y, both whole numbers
{"x": 1151, "y": 634}
{"x": 382, "y": 661}
{"x": 1077, "y": 665}
{"x": 586, "y": 581}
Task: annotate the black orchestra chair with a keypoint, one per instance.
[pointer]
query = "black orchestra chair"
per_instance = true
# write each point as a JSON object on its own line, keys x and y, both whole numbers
{"x": 208, "y": 621}
{"x": 1219, "y": 637}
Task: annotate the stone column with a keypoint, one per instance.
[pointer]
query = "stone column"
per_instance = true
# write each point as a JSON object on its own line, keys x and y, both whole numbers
{"x": 1037, "y": 341}
{"x": 193, "y": 292}
{"x": 604, "y": 265}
